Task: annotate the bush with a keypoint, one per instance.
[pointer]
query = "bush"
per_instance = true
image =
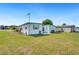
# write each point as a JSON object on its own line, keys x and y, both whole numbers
{"x": 13, "y": 27}
{"x": 52, "y": 31}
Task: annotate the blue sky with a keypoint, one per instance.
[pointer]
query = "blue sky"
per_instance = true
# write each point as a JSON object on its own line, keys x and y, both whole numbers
{"x": 16, "y": 14}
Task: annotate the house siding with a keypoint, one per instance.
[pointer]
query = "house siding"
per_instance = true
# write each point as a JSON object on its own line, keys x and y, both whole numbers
{"x": 34, "y": 31}
{"x": 66, "y": 28}
{"x": 30, "y": 29}
{"x": 48, "y": 29}
{"x": 25, "y": 31}
{"x": 77, "y": 29}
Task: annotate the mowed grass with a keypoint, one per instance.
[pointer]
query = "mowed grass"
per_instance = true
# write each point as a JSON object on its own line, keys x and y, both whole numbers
{"x": 12, "y": 43}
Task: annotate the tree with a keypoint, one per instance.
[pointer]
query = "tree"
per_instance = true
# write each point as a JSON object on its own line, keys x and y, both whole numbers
{"x": 13, "y": 27}
{"x": 64, "y": 24}
{"x": 47, "y": 22}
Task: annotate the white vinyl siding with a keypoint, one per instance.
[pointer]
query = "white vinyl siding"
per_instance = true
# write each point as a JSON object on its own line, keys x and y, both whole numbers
{"x": 67, "y": 29}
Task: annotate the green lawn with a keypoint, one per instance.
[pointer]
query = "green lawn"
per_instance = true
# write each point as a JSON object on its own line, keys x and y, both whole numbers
{"x": 61, "y": 43}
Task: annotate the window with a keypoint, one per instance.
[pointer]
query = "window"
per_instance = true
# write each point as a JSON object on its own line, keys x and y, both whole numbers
{"x": 25, "y": 27}
{"x": 35, "y": 26}
{"x": 20, "y": 28}
{"x": 43, "y": 29}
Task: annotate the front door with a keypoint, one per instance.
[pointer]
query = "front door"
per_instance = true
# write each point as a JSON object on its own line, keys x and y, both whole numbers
{"x": 39, "y": 32}
{"x": 43, "y": 29}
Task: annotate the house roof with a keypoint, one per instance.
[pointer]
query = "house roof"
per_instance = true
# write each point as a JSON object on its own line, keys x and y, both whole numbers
{"x": 66, "y": 26}
{"x": 29, "y": 23}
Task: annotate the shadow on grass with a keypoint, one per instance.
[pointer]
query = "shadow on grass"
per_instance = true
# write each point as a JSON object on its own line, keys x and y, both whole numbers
{"x": 39, "y": 35}
{"x": 57, "y": 33}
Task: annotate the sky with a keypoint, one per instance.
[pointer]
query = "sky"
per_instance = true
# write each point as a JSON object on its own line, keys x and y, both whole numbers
{"x": 59, "y": 13}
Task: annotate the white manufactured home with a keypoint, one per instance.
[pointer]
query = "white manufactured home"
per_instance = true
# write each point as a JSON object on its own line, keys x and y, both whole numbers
{"x": 36, "y": 28}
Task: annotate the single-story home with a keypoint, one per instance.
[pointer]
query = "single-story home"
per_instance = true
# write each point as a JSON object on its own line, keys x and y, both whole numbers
{"x": 76, "y": 29}
{"x": 2, "y": 27}
{"x": 66, "y": 28}
{"x": 36, "y": 28}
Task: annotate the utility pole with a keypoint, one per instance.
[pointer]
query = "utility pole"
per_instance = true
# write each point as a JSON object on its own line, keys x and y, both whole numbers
{"x": 28, "y": 14}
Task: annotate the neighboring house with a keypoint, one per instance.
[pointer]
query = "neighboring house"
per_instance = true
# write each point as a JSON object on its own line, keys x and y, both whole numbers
{"x": 2, "y": 27}
{"x": 76, "y": 29}
{"x": 66, "y": 28}
{"x": 36, "y": 28}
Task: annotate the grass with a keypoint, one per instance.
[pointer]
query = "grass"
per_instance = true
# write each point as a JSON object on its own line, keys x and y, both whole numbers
{"x": 12, "y": 43}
